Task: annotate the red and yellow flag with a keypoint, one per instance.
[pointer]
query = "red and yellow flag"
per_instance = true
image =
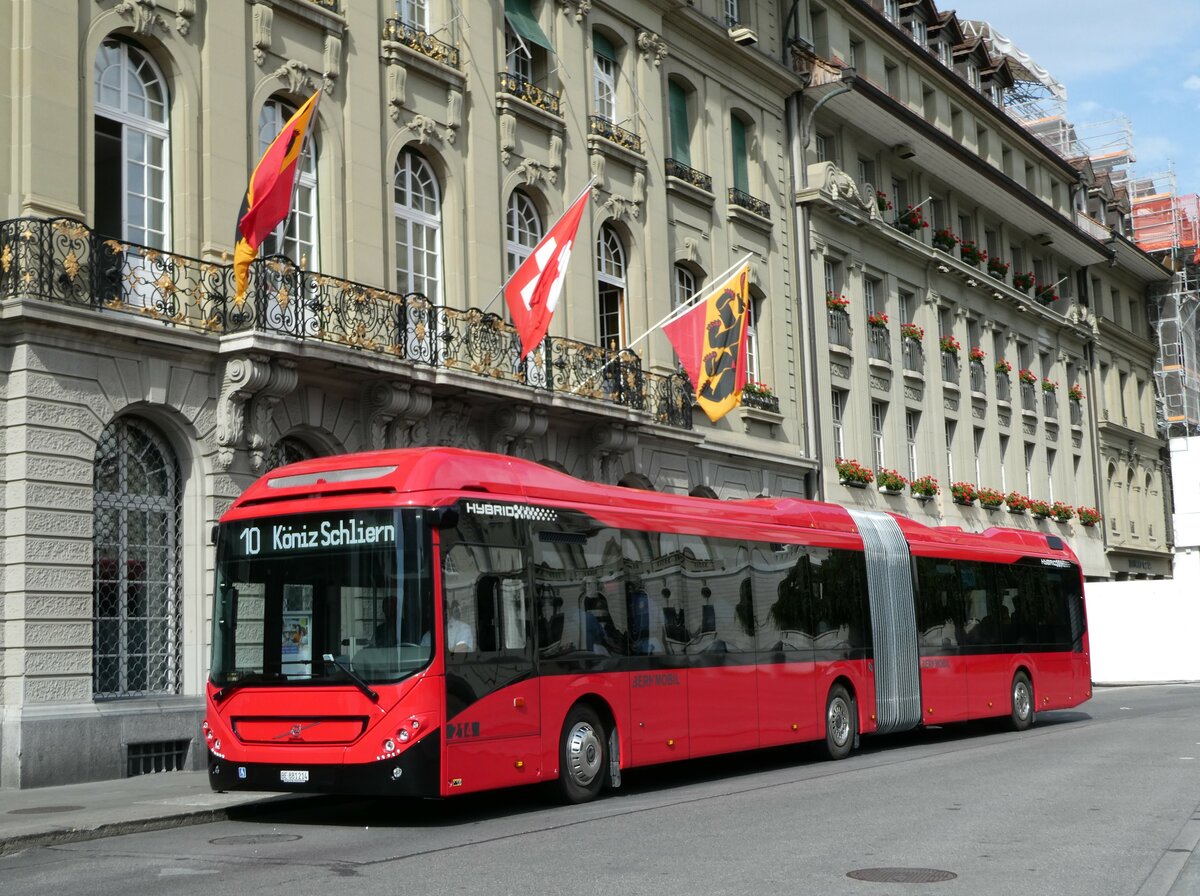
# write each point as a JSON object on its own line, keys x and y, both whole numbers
{"x": 710, "y": 339}
{"x": 269, "y": 194}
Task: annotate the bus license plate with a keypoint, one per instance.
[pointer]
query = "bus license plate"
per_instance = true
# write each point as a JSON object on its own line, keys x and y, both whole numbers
{"x": 293, "y": 776}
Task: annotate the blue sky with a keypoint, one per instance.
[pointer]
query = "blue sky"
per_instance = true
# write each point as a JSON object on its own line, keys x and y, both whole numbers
{"x": 1140, "y": 60}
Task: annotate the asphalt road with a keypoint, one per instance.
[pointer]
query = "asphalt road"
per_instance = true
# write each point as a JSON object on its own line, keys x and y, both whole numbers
{"x": 1099, "y": 800}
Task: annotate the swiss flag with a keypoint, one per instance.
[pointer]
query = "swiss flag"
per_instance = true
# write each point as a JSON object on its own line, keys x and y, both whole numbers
{"x": 532, "y": 292}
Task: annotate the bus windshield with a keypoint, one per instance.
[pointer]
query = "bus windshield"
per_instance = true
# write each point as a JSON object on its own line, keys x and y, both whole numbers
{"x": 354, "y": 586}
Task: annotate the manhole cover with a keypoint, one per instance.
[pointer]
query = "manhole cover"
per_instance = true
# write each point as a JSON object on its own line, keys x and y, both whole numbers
{"x": 902, "y": 875}
{"x": 254, "y": 839}
{"x": 43, "y": 810}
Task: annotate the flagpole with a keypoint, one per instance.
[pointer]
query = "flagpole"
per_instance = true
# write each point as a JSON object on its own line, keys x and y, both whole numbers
{"x": 677, "y": 312}
{"x": 508, "y": 279}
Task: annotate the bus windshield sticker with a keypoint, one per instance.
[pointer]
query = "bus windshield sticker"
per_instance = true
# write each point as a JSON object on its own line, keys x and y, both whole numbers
{"x": 516, "y": 511}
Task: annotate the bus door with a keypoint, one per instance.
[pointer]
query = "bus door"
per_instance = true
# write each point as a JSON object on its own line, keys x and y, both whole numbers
{"x": 944, "y": 588}
{"x": 493, "y": 707}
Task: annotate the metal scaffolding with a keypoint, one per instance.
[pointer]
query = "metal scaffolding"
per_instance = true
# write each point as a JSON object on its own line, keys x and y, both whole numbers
{"x": 1167, "y": 226}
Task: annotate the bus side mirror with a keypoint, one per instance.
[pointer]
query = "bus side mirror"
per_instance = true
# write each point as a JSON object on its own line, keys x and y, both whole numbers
{"x": 212, "y": 535}
{"x": 443, "y": 518}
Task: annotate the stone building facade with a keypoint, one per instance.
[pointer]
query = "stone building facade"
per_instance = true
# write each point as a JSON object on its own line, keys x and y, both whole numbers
{"x": 138, "y": 397}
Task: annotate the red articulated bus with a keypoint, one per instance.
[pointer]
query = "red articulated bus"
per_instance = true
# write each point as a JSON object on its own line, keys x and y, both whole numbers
{"x": 436, "y": 621}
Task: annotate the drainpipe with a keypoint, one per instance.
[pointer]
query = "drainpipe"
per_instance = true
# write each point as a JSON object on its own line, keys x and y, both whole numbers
{"x": 799, "y": 128}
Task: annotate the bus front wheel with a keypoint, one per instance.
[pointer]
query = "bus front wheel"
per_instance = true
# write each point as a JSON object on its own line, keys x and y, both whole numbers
{"x": 582, "y": 756}
{"x": 1022, "y": 702}
{"x": 841, "y": 723}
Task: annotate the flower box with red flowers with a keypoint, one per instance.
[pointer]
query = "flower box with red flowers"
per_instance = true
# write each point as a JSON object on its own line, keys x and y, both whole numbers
{"x": 997, "y": 267}
{"x": 1050, "y": 386}
{"x": 1023, "y": 280}
{"x": 950, "y": 345}
{"x": 1017, "y": 502}
{"x": 1003, "y": 367}
{"x": 924, "y": 487}
{"x": 882, "y": 201}
{"x": 1045, "y": 294}
{"x": 853, "y": 474}
{"x": 945, "y": 240}
{"x": 1075, "y": 393}
{"x": 1089, "y": 516}
{"x": 1027, "y": 376}
{"x": 877, "y": 319}
{"x": 911, "y": 220}
{"x": 836, "y": 302}
{"x": 977, "y": 354}
{"x": 1039, "y": 508}
{"x": 971, "y": 253}
{"x": 963, "y": 492}
{"x": 890, "y": 482}
{"x": 912, "y": 331}
{"x": 1062, "y": 511}
{"x": 990, "y": 498}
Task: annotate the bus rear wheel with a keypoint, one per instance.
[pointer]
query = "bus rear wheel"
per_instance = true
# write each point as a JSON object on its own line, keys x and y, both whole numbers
{"x": 582, "y": 756}
{"x": 1022, "y": 702}
{"x": 841, "y": 723}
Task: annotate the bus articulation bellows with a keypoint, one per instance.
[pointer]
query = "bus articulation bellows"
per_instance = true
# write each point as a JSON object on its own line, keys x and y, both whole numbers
{"x": 437, "y": 621}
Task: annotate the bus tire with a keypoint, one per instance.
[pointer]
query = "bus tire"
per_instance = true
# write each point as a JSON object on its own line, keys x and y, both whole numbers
{"x": 841, "y": 723}
{"x": 1022, "y": 702}
{"x": 582, "y": 755}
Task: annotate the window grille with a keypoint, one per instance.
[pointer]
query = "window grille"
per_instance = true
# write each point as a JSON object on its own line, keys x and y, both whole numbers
{"x": 136, "y": 594}
{"x": 159, "y": 756}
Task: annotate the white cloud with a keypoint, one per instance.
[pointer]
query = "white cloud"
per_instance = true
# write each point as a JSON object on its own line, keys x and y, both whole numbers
{"x": 1192, "y": 83}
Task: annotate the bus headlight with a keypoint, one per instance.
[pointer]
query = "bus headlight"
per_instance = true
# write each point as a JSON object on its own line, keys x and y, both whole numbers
{"x": 403, "y": 735}
{"x": 389, "y": 746}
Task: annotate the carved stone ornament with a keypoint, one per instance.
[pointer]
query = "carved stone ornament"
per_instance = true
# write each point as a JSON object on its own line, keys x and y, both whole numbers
{"x": 514, "y": 427}
{"x": 397, "y": 81}
{"x": 426, "y": 129}
{"x": 250, "y": 388}
{"x": 395, "y": 413}
{"x": 260, "y": 31}
{"x": 653, "y": 47}
{"x": 144, "y": 14}
{"x": 531, "y": 172}
{"x": 451, "y": 426}
{"x": 184, "y": 11}
{"x": 295, "y": 73}
{"x": 622, "y": 207}
{"x": 508, "y": 136}
{"x": 610, "y": 442}
{"x": 332, "y": 62}
{"x": 581, "y": 7}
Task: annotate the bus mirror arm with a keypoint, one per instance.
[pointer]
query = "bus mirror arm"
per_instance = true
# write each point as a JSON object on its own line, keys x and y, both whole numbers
{"x": 358, "y": 682}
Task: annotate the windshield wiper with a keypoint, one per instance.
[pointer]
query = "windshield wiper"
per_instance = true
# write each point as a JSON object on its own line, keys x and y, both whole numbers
{"x": 358, "y": 682}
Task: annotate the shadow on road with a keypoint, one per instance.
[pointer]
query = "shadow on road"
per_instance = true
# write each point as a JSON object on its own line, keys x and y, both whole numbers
{"x": 401, "y": 813}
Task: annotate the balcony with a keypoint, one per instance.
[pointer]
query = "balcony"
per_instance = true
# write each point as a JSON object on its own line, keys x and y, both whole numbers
{"x": 879, "y": 344}
{"x": 1028, "y": 398}
{"x": 528, "y": 92}
{"x": 1076, "y": 412}
{"x": 1003, "y": 388}
{"x": 950, "y": 371}
{"x": 1050, "y": 405}
{"x": 63, "y": 262}
{"x": 690, "y": 176}
{"x": 749, "y": 203}
{"x": 839, "y": 327}
{"x": 421, "y": 42}
{"x": 978, "y": 378}
{"x": 914, "y": 355}
{"x": 600, "y": 126}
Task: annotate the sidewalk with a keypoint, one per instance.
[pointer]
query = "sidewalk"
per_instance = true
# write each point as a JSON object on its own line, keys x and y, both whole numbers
{"x": 45, "y": 815}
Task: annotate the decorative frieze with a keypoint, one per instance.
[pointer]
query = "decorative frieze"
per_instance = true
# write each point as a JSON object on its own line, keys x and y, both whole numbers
{"x": 654, "y": 48}
{"x": 296, "y": 75}
{"x": 143, "y": 14}
{"x": 950, "y": 404}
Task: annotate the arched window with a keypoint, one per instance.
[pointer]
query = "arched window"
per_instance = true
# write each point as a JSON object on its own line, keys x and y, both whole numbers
{"x": 418, "y": 213}
{"x": 297, "y": 235}
{"x": 523, "y": 229}
{"x": 685, "y": 286}
{"x": 132, "y": 175}
{"x": 610, "y": 271}
{"x": 136, "y": 593}
{"x": 288, "y": 450}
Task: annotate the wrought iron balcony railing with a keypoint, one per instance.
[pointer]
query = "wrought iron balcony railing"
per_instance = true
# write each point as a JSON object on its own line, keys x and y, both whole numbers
{"x": 63, "y": 261}
{"x": 696, "y": 178}
{"x": 749, "y": 203}
{"x": 762, "y": 402}
{"x": 839, "y": 327}
{"x": 1028, "y": 397}
{"x": 879, "y": 343}
{"x": 1003, "y": 388}
{"x": 331, "y": 5}
{"x": 978, "y": 377}
{"x": 1076, "y": 413}
{"x": 950, "y": 372}
{"x": 524, "y": 89}
{"x": 602, "y": 127}
{"x": 914, "y": 355}
{"x": 422, "y": 42}
{"x": 1050, "y": 405}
